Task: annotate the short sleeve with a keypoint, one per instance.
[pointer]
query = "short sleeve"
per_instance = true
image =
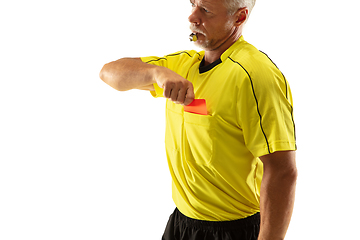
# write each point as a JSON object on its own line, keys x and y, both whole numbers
{"x": 265, "y": 112}
{"x": 179, "y": 62}
{"x": 158, "y": 61}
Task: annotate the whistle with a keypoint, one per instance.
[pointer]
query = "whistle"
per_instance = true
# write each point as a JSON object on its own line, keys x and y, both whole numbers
{"x": 193, "y": 37}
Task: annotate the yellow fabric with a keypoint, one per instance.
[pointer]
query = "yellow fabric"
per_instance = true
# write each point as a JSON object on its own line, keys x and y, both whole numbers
{"x": 214, "y": 159}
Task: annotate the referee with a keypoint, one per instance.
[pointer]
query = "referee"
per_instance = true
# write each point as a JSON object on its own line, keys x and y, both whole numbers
{"x": 233, "y": 163}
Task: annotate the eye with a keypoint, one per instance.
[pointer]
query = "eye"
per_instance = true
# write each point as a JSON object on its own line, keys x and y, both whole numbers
{"x": 205, "y": 10}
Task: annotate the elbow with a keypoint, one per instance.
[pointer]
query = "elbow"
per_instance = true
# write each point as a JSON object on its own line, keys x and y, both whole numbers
{"x": 107, "y": 76}
{"x": 290, "y": 176}
{"x": 293, "y": 175}
{"x": 104, "y": 74}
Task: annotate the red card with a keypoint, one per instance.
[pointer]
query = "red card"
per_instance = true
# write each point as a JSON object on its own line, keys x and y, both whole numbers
{"x": 197, "y": 106}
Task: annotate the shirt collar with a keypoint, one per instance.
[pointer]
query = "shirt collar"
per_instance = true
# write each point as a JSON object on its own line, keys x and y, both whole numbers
{"x": 227, "y": 53}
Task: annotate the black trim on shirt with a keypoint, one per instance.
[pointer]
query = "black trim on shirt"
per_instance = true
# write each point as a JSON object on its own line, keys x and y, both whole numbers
{"x": 257, "y": 103}
{"x": 171, "y": 55}
{"x": 286, "y": 87}
{"x": 155, "y": 60}
{"x": 175, "y": 54}
{"x": 206, "y": 68}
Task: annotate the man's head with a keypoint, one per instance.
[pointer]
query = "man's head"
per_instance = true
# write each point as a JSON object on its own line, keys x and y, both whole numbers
{"x": 217, "y": 21}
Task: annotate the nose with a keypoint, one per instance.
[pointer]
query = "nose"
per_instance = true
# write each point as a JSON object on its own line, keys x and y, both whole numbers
{"x": 194, "y": 17}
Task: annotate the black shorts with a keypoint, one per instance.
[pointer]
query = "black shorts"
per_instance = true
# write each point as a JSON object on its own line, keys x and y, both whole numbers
{"x": 181, "y": 227}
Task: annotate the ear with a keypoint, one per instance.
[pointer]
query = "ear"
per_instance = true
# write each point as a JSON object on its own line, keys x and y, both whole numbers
{"x": 241, "y": 16}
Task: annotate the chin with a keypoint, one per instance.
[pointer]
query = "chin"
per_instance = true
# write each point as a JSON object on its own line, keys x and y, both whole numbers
{"x": 198, "y": 44}
{"x": 203, "y": 44}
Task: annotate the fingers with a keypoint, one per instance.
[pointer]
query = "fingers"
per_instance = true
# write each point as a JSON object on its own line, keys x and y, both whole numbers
{"x": 176, "y": 88}
{"x": 167, "y": 90}
{"x": 181, "y": 92}
{"x": 181, "y": 96}
{"x": 189, "y": 95}
{"x": 175, "y": 92}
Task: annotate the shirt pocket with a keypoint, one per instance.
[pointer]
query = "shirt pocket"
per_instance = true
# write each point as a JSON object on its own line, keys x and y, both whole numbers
{"x": 198, "y": 138}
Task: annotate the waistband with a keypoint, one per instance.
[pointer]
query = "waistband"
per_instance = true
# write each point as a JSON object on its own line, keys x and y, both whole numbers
{"x": 225, "y": 225}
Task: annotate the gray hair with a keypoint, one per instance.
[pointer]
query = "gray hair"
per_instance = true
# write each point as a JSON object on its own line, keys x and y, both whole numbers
{"x": 234, "y": 5}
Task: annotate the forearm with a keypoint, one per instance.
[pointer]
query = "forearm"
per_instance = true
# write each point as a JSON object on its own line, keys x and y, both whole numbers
{"x": 277, "y": 196}
{"x": 131, "y": 73}
{"x": 128, "y": 73}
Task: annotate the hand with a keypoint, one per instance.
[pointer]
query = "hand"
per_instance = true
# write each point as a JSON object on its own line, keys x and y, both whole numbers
{"x": 176, "y": 88}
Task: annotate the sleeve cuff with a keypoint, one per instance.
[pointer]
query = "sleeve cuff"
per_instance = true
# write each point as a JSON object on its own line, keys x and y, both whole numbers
{"x": 275, "y": 147}
{"x": 158, "y": 92}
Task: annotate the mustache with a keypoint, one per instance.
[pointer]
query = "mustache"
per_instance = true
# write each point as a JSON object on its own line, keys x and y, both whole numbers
{"x": 195, "y": 29}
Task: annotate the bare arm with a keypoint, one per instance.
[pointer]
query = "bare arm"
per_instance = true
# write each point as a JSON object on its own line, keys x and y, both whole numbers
{"x": 131, "y": 73}
{"x": 277, "y": 194}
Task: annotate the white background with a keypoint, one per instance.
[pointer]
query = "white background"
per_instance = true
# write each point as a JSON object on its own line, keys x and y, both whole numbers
{"x": 79, "y": 160}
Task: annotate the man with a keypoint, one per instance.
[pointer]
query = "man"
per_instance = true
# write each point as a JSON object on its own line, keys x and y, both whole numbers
{"x": 218, "y": 160}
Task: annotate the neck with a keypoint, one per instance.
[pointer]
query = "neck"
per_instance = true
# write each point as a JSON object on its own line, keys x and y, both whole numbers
{"x": 214, "y": 54}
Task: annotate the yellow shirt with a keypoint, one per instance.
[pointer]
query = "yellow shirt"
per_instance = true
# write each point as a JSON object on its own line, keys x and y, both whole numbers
{"x": 214, "y": 159}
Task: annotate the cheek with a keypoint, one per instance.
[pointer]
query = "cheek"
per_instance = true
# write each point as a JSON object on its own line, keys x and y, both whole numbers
{"x": 220, "y": 31}
{"x": 219, "y": 27}
{"x": 228, "y": 25}
{"x": 213, "y": 29}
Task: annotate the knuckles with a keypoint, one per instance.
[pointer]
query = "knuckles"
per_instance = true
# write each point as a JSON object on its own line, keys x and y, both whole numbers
{"x": 179, "y": 90}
